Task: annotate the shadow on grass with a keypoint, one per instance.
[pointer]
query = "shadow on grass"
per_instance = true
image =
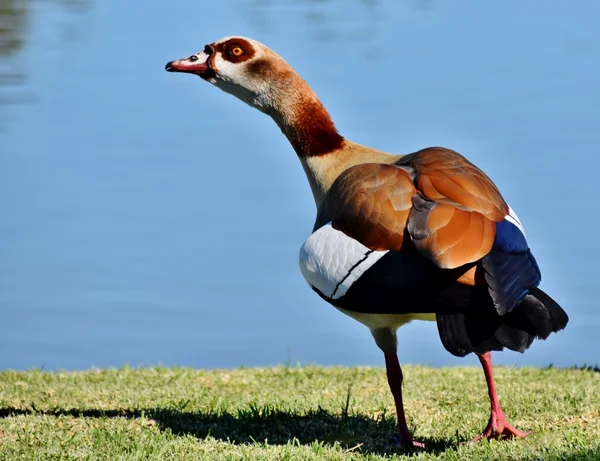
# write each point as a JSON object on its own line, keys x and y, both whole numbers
{"x": 256, "y": 425}
{"x": 355, "y": 433}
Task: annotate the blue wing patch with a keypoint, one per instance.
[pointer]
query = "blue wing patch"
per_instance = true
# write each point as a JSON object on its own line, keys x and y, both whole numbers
{"x": 511, "y": 271}
{"x": 509, "y": 238}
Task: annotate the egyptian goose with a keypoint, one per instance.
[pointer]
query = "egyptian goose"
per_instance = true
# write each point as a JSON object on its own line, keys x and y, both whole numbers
{"x": 397, "y": 237}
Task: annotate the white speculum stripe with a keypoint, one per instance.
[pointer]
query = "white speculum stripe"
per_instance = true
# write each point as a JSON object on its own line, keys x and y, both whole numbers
{"x": 514, "y": 219}
{"x": 331, "y": 261}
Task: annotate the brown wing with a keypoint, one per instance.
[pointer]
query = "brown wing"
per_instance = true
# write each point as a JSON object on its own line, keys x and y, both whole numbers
{"x": 448, "y": 206}
{"x": 371, "y": 204}
{"x": 445, "y": 176}
{"x": 453, "y": 219}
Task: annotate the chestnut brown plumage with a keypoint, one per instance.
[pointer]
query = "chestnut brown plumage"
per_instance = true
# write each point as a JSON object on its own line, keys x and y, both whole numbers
{"x": 451, "y": 203}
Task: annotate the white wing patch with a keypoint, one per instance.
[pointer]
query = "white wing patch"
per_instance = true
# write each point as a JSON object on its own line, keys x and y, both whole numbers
{"x": 512, "y": 217}
{"x": 331, "y": 261}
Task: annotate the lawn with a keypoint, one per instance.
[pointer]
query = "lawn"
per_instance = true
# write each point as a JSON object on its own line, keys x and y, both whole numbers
{"x": 294, "y": 413}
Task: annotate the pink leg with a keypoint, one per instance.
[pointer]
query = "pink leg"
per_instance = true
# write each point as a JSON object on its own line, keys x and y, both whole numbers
{"x": 394, "y": 375}
{"x": 497, "y": 427}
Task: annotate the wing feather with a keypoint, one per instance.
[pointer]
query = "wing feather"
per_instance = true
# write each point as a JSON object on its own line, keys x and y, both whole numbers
{"x": 370, "y": 203}
{"x": 446, "y": 204}
{"x": 457, "y": 226}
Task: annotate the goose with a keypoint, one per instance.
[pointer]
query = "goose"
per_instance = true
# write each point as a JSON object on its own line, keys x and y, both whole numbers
{"x": 422, "y": 236}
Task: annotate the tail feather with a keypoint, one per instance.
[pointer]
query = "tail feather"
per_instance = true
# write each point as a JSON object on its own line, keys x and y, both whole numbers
{"x": 558, "y": 317}
{"x": 481, "y": 329}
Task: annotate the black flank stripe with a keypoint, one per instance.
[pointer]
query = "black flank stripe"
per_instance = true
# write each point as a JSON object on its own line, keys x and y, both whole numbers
{"x": 350, "y": 271}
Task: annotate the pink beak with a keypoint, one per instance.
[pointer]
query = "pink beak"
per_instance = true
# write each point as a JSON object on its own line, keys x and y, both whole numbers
{"x": 196, "y": 64}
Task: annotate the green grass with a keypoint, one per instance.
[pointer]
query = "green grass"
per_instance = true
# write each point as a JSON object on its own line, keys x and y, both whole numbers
{"x": 292, "y": 413}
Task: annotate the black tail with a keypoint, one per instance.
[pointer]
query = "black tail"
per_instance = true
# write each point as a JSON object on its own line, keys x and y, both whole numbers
{"x": 481, "y": 329}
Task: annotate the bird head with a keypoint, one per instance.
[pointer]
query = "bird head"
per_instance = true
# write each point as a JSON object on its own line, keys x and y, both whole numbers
{"x": 240, "y": 66}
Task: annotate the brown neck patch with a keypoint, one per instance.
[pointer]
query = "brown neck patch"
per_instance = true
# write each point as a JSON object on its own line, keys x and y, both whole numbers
{"x": 313, "y": 133}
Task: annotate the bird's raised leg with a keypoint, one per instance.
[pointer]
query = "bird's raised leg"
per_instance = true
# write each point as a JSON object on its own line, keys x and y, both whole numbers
{"x": 394, "y": 376}
{"x": 498, "y": 426}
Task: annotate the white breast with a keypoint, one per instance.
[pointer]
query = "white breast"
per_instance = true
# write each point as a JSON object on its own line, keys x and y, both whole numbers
{"x": 331, "y": 261}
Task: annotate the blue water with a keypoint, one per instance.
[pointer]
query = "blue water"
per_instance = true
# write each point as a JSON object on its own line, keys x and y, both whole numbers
{"x": 148, "y": 218}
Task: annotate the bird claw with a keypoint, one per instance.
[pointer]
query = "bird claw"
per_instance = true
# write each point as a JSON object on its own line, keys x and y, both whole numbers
{"x": 416, "y": 444}
{"x": 408, "y": 443}
{"x": 498, "y": 428}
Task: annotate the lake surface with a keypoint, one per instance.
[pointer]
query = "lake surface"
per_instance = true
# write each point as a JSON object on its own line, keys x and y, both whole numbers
{"x": 148, "y": 218}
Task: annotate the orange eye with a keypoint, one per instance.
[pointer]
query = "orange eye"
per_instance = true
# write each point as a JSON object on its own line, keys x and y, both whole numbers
{"x": 237, "y": 51}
